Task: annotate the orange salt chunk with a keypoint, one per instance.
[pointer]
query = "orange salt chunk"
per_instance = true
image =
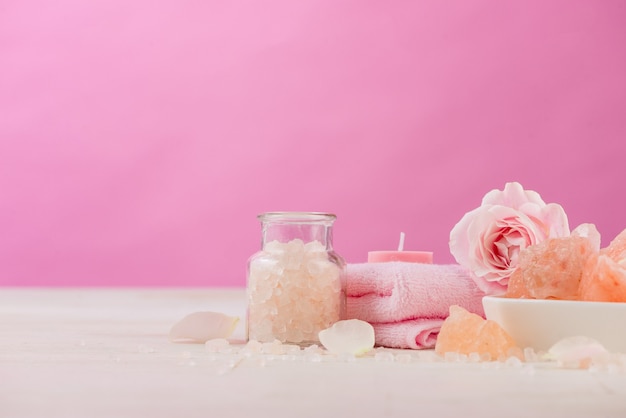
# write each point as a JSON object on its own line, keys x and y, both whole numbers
{"x": 464, "y": 332}
{"x": 603, "y": 280}
{"x": 551, "y": 269}
{"x": 617, "y": 248}
{"x": 517, "y": 286}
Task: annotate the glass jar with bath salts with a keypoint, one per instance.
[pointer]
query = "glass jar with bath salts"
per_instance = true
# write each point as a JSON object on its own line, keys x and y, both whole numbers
{"x": 296, "y": 283}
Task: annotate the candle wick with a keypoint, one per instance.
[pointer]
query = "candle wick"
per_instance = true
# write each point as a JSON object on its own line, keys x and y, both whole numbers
{"x": 401, "y": 245}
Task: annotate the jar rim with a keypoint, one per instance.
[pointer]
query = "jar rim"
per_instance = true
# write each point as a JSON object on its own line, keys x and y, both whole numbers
{"x": 297, "y": 216}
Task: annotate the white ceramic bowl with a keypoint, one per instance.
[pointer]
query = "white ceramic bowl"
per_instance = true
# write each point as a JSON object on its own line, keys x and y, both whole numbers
{"x": 541, "y": 323}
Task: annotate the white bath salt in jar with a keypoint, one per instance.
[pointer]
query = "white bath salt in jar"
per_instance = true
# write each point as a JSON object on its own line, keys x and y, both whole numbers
{"x": 296, "y": 283}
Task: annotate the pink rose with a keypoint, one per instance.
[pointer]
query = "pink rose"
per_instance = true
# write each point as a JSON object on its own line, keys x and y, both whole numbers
{"x": 488, "y": 240}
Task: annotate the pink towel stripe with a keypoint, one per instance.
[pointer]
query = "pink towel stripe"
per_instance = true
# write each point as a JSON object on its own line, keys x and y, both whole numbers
{"x": 396, "y": 291}
{"x": 414, "y": 334}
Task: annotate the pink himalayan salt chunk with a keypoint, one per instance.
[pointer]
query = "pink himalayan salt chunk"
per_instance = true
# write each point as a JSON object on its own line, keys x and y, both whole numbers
{"x": 551, "y": 269}
{"x": 617, "y": 248}
{"x": 517, "y": 286}
{"x": 603, "y": 280}
{"x": 464, "y": 332}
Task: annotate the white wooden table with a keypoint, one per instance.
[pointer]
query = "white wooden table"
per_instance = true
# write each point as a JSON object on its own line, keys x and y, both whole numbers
{"x": 104, "y": 353}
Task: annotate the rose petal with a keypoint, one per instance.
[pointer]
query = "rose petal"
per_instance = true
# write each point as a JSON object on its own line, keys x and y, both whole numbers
{"x": 460, "y": 243}
{"x": 491, "y": 287}
{"x": 551, "y": 217}
{"x": 488, "y": 240}
{"x": 512, "y": 196}
{"x": 200, "y": 327}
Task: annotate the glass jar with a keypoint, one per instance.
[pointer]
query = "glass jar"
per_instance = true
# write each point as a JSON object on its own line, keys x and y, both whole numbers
{"x": 296, "y": 283}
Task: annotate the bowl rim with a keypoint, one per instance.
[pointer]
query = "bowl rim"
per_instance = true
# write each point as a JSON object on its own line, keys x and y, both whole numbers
{"x": 563, "y": 302}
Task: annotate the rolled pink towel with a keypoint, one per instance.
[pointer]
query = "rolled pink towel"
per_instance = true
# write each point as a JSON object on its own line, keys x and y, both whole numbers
{"x": 406, "y": 303}
{"x": 412, "y": 333}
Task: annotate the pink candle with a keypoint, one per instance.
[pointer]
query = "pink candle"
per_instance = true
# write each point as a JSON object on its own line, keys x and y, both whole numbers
{"x": 424, "y": 257}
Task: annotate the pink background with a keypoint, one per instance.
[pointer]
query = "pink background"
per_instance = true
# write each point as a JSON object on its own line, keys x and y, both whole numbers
{"x": 140, "y": 139}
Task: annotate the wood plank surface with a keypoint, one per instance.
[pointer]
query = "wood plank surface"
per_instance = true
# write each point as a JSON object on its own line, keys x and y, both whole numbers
{"x": 105, "y": 353}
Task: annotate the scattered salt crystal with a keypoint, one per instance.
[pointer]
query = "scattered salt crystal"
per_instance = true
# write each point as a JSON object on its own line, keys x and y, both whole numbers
{"x": 216, "y": 345}
{"x": 291, "y": 348}
{"x": 489, "y": 364}
{"x": 513, "y": 361}
{"x": 384, "y": 357}
{"x": 515, "y": 352}
{"x": 346, "y": 357}
{"x": 253, "y": 346}
{"x": 403, "y": 358}
{"x": 578, "y": 352}
{"x": 429, "y": 356}
{"x": 474, "y": 357}
{"x": 351, "y": 336}
{"x": 451, "y": 356}
{"x": 275, "y": 347}
{"x": 313, "y": 349}
{"x": 530, "y": 356}
{"x": 313, "y": 357}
